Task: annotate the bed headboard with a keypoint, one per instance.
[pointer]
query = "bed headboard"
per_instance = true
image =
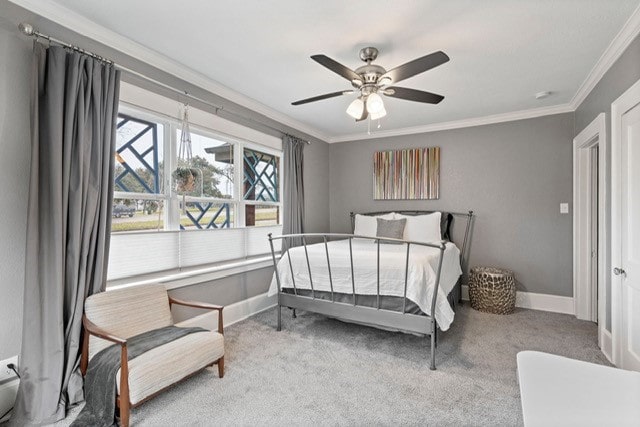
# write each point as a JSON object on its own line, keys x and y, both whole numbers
{"x": 446, "y": 223}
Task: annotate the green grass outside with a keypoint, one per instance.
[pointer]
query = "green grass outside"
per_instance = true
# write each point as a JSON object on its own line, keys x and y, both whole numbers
{"x": 154, "y": 224}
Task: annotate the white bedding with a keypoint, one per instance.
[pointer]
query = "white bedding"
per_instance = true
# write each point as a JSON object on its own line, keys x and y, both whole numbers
{"x": 423, "y": 263}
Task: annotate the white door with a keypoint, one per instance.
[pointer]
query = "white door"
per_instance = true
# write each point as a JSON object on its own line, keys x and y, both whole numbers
{"x": 626, "y": 209}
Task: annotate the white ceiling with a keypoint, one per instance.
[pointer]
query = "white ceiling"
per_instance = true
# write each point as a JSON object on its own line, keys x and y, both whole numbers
{"x": 502, "y": 51}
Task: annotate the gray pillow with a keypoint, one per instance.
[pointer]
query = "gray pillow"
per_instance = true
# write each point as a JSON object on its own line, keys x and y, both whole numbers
{"x": 392, "y": 228}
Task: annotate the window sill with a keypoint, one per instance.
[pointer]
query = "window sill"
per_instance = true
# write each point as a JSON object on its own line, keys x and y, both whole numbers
{"x": 174, "y": 279}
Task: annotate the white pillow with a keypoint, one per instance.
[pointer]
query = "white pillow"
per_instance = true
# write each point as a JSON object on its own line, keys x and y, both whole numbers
{"x": 422, "y": 228}
{"x": 368, "y": 225}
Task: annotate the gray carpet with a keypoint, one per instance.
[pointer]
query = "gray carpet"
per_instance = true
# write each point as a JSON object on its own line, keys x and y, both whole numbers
{"x": 324, "y": 372}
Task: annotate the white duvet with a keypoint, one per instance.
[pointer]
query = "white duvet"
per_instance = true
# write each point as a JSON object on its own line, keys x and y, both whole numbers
{"x": 423, "y": 264}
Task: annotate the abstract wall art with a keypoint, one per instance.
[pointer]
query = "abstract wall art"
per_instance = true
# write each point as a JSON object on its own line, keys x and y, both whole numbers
{"x": 411, "y": 174}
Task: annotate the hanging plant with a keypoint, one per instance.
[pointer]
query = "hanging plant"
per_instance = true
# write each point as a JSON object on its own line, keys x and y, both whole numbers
{"x": 186, "y": 179}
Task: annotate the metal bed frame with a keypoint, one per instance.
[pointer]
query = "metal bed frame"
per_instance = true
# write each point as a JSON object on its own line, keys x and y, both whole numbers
{"x": 400, "y": 320}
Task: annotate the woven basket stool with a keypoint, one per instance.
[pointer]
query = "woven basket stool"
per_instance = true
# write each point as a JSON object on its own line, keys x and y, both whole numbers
{"x": 492, "y": 290}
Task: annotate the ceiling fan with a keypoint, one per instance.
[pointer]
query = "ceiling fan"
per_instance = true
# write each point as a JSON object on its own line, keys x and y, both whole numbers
{"x": 371, "y": 80}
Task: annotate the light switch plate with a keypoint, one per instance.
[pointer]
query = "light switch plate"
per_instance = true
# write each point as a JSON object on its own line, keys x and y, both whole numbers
{"x": 564, "y": 208}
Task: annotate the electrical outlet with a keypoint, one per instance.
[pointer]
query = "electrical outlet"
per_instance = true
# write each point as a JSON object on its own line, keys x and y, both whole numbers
{"x": 7, "y": 373}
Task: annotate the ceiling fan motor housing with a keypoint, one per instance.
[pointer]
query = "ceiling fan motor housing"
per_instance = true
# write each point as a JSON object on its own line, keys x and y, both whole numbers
{"x": 370, "y": 73}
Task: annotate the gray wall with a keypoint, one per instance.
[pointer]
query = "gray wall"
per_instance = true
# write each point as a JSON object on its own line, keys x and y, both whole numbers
{"x": 316, "y": 187}
{"x": 513, "y": 175}
{"x": 225, "y": 291}
{"x": 620, "y": 77}
{"x": 14, "y": 176}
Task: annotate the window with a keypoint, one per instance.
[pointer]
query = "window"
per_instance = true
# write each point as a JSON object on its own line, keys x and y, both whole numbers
{"x": 215, "y": 208}
{"x": 137, "y": 153}
{"x": 138, "y": 195}
{"x": 155, "y": 229}
{"x": 261, "y": 192}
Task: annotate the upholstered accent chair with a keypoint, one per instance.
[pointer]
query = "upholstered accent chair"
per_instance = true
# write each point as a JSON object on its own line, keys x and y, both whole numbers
{"x": 114, "y": 316}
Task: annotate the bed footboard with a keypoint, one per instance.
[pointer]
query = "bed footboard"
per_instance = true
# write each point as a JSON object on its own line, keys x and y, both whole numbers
{"x": 399, "y": 319}
{"x": 377, "y": 316}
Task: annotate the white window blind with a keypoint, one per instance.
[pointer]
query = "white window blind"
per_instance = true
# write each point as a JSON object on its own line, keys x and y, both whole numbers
{"x": 135, "y": 254}
{"x": 256, "y": 241}
{"x": 132, "y": 254}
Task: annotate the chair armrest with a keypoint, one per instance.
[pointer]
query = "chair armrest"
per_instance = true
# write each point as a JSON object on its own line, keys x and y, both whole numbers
{"x": 202, "y": 305}
{"x": 196, "y": 304}
{"x": 92, "y": 329}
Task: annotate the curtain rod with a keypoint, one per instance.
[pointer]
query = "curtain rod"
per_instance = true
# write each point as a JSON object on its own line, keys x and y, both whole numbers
{"x": 28, "y": 30}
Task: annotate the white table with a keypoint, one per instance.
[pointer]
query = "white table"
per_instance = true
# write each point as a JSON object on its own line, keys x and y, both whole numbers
{"x": 557, "y": 391}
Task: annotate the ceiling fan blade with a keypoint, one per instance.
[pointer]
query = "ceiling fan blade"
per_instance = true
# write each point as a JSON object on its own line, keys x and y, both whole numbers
{"x": 413, "y": 95}
{"x": 321, "y": 97}
{"x": 416, "y": 66}
{"x": 336, "y": 67}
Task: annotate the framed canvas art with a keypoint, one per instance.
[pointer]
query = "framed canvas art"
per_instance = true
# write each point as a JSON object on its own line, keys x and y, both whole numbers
{"x": 411, "y": 174}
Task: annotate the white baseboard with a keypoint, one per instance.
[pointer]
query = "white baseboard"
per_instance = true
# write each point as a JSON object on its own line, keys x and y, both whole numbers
{"x": 233, "y": 313}
{"x": 605, "y": 338}
{"x": 243, "y": 309}
{"x": 533, "y": 301}
{"x": 8, "y": 392}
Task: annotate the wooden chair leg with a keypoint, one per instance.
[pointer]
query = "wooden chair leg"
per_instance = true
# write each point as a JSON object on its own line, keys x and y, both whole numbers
{"x": 125, "y": 407}
{"x": 124, "y": 413}
{"x": 221, "y": 367}
{"x": 84, "y": 358}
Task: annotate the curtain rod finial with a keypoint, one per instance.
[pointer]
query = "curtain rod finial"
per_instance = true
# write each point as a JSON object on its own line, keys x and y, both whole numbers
{"x": 26, "y": 29}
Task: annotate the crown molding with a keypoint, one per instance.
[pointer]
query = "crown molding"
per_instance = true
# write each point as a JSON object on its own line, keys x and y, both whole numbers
{"x": 85, "y": 27}
{"x": 616, "y": 48}
{"x": 458, "y": 124}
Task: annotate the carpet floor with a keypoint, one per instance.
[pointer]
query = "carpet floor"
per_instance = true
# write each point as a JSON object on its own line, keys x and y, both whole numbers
{"x": 320, "y": 371}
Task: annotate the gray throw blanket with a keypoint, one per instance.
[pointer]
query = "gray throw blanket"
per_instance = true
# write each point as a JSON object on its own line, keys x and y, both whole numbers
{"x": 100, "y": 381}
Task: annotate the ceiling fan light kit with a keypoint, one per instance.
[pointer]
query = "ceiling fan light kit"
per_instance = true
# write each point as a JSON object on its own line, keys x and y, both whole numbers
{"x": 380, "y": 114}
{"x": 374, "y": 103}
{"x": 371, "y": 80}
{"x": 356, "y": 108}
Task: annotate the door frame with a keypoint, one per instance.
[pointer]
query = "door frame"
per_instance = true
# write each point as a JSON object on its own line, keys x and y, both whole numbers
{"x": 595, "y": 134}
{"x": 619, "y": 107}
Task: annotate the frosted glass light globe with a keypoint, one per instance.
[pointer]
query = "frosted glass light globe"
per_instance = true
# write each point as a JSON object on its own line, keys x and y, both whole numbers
{"x": 356, "y": 108}
{"x": 380, "y": 114}
{"x": 374, "y": 104}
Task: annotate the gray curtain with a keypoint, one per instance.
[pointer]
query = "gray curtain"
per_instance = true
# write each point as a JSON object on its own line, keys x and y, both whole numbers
{"x": 74, "y": 110}
{"x": 293, "y": 197}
